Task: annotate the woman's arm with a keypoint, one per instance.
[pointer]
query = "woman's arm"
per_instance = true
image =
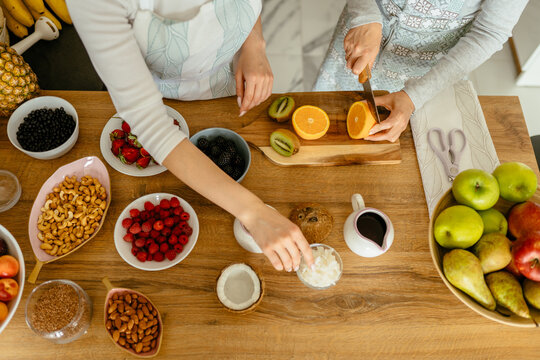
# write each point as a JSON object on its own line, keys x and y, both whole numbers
{"x": 363, "y": 40}
{"x": 108, "y": 38}
{"x": 363, "y": 12}
{"x": 280, "y": 240}
{"x": 489, "y": 31}
{"x": 254, "y": 78}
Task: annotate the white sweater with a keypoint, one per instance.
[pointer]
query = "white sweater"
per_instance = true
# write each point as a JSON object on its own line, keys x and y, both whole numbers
{"x": 105, "y": 27}
{"x": 492, "y": 26}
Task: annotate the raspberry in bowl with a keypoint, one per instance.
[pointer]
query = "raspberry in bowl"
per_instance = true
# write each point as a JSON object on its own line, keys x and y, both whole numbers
{"x": 156, "y": 231}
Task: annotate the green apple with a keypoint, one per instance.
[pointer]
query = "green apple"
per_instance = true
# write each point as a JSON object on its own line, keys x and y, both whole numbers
{"x": 517, "y": 181}
{"x": 458, "y": 226}
{"x": 494, "y": 221}
{"x": 476, "y": 188}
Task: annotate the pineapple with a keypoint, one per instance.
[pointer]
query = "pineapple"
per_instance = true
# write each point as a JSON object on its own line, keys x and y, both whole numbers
{"x": 18, "y": 82}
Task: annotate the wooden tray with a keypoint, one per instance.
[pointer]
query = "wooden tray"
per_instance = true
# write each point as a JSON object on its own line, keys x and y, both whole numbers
{"x": 334, "y": 148}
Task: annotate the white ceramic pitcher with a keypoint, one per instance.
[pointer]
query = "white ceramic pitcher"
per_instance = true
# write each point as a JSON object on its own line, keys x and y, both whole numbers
{"x": 358, "y": 243}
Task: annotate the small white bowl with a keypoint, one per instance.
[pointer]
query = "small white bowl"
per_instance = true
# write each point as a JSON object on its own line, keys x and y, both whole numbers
{"x": 241, "y": 144}
{"x": 244, "y": 238}
{"x": 15, "y": 251}
{"x": 50, "y": 102}
{"x": 124, "y": 248}
{"x": 105, "y": 144}
{"x": 338, "y": 259}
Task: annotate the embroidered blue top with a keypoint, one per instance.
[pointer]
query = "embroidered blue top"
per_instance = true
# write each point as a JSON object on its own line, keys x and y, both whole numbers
{"x": 427, "y": 45}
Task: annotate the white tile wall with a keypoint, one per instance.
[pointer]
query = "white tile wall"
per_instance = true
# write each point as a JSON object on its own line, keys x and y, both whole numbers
{"x": 298, "y": 33}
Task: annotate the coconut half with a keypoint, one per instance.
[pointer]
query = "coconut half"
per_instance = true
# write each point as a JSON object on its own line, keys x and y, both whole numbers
{"x": 239, "y": 288}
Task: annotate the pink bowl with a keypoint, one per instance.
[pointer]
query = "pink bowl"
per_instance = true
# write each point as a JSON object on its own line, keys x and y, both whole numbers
{"x": 90, "y": 165}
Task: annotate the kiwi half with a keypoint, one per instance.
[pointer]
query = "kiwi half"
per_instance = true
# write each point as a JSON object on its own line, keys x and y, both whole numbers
{"x": 281, "y": 108}
{"x": 284, "y": 142}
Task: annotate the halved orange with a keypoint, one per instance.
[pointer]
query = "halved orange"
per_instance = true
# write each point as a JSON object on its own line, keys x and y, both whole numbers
{"x": 359, "y": 120}
{"x": 310, "y": 122}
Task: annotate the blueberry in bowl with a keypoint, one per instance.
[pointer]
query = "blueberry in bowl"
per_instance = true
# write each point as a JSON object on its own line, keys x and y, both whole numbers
{"x": 45, "y": 127}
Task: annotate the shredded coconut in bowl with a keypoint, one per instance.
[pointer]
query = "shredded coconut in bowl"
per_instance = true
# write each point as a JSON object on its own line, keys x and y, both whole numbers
{"x": 327, "y": 269}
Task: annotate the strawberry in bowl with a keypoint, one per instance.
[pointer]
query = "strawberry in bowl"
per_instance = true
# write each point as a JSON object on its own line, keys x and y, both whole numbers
{"x": 123, "y": 151}
{"x": 156, "y": 231}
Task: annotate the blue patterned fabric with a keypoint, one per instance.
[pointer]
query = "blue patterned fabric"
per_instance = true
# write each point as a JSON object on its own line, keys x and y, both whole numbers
{"x": 416, "y": 35}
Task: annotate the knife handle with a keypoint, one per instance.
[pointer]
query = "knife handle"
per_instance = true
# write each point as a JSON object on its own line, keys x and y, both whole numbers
{"x": 365, "y": 75}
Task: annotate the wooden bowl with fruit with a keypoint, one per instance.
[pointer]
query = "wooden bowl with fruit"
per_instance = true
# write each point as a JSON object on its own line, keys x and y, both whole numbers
{"x": 11, "y": 276}
{"x": 484, "y": 238}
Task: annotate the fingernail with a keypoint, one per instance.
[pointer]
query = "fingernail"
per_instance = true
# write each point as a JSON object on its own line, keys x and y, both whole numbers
{"x": 289, "y": 270}
{"x": 296, "y": 268}
{"x": 313, "y": 267}
{"x": 242, "y": 113}
{"x": 239, "y": 100}
{"x": 371, "y": 132}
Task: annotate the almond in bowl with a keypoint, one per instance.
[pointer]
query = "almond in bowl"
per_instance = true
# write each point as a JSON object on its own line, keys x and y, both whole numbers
{"x": 132, "y": 321}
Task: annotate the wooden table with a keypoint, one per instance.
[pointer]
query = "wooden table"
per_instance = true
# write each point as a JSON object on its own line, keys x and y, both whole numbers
{"x": 394, "y": 306}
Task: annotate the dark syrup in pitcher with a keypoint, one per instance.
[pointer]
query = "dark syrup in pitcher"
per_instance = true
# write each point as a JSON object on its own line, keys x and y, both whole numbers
{"x": 372, "y": 226}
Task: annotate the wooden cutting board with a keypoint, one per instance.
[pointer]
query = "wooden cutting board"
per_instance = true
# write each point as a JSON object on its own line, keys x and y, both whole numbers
{"x": 334, "y": 148}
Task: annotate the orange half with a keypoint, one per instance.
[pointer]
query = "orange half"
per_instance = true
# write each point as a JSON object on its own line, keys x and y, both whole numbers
{"x": 310, "y": 122}
{"x": 359, "y": 120}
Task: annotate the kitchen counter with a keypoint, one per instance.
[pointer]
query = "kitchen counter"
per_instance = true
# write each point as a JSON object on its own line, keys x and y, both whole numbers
{"x": 393, "y": 307}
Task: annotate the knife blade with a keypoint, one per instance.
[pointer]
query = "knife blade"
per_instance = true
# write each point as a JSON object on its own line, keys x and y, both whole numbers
{"x": 363, "y": 78}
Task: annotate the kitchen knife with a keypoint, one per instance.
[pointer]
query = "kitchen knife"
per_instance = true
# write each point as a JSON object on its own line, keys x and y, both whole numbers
{"x": 363, "y": 78}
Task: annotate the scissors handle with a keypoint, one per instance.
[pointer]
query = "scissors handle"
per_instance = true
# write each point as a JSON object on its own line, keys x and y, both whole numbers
{"x": 453, "y": 143}
{"x": 443, "y": 153}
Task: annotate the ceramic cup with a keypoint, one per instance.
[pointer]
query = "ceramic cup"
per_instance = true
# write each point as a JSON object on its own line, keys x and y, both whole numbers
{"x": 244, "y": 238}
{"x": 361, "y": 244}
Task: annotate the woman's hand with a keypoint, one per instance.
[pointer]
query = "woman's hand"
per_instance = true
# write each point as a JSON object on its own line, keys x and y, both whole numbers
{"x": 361, "y": 46}
{"x": 254, "y": 78}
{"x": 280, "y": 240}
{"x": 401, "y": 108}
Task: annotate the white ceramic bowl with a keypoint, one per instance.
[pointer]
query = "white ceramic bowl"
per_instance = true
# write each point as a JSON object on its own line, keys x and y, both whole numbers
{"x": 124, "y": 248}
{"x": 241, "y": 144}
{"x": 244, "y": 238}
{"x": 15, "y": 251}
{"x": 50, "y": 102}
{"x": 105, "y": 144}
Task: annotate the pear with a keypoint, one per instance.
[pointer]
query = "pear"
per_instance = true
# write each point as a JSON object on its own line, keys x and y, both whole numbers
{"x": 464, "y": 271}
{"x": 507, "y": 292}
{"x": 531, "y": 290}
{"x": 493, "y": 251}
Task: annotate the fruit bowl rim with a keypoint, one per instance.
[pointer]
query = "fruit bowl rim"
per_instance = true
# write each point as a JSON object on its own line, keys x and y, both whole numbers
{"x": 16, "y": 252}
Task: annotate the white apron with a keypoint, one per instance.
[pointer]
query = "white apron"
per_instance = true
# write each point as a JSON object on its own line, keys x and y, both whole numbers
{"x": 192, "y": 60}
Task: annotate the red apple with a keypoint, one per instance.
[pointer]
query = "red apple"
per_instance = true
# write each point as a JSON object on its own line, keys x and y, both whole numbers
{"x": 523, "y": 218}
{"x": 8, "y": 289}
{"x": 9, "y": 266}
{"x": 513, "y": 269}
{"x": 526, "y": 255}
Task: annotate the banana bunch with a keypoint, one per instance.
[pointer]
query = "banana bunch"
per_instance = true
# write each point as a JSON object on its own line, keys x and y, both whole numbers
{"x": 21, "y": 14}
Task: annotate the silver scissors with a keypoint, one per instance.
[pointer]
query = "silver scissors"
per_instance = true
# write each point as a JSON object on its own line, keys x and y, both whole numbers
{"x": 447, "y": 151}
